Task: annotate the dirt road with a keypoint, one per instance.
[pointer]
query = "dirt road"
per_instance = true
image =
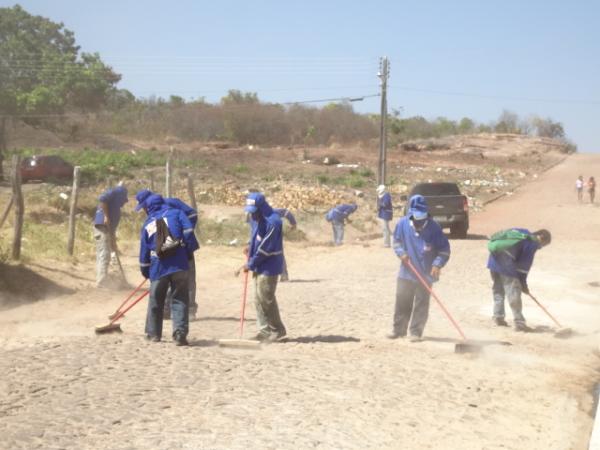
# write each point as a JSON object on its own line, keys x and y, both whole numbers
{"x": 337, "y": 383}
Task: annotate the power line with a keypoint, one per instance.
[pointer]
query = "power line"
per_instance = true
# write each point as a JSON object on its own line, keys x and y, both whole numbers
{"x": 225, "y": 107}
{"x": 498, "y": 97}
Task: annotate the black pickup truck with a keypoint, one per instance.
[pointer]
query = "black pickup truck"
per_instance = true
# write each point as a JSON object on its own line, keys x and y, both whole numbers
{"x": 447, "y": 206}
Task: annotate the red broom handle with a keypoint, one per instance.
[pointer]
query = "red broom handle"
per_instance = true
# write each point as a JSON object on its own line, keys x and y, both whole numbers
{"x": 546, "y": 311}
{"x": 439, "y": 302}
{"x": 131, "y": 295}
{"x": 135, "y": 302}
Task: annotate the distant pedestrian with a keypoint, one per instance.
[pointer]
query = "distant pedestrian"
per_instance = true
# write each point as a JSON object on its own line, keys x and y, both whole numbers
{"x": 265, "y": 260}
{"x": 511, "y": 257}
{"x": 106, "y": 221}
{"x": 385, "y": 212}
{"x": 419, "y": 241}
{"x": 192, "y": 215}
{"x": 591, "y": 185}
{"x": 579, "y": 188}
{"x": 338, "y": 216}
{"x": 286, "y": 214}
{"x": 167, "y": 242}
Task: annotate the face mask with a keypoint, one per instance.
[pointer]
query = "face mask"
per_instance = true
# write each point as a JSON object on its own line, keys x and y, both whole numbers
{"x": 419, "y": 223}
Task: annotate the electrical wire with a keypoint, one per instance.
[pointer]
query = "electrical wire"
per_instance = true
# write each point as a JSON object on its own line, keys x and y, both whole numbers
{"x": 497, "y": 97}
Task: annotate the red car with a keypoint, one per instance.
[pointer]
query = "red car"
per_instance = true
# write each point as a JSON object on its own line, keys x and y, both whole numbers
{"x": 45, "y": 168}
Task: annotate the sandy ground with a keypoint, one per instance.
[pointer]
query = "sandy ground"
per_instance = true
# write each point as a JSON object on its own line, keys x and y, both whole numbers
{"x": 337, "y": 383}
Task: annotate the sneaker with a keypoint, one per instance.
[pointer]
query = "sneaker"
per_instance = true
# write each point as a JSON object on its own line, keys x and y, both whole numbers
{"x": 394, "y": 335}
{"x": 180, "y": 339}
{"x": 521, "y": 327}
{"x": 499, "y": 321}
{"x": 415, "y": 338}
{"x": 152, "y": 338}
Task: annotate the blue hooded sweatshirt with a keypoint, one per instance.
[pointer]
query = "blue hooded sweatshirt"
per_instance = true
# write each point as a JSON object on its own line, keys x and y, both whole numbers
{"x": 180, "y": 228}
{"x": 517, "y": 260}
{"x": 172, "y": 202}
{"x": 385, "y": 210}
{"x": 265, "y": 250}
{"x": 286, "y": 214}
{"x": 340, "y": 212}
{"x": 426, "y": 247}
{"x": 114, "y": 198}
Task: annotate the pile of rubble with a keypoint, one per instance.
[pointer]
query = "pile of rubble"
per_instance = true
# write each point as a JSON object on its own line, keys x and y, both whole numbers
{"x": 305, "y": 198}
{"x": 296, "y": 197}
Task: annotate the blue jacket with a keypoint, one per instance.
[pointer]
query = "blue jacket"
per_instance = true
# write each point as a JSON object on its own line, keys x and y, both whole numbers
{"x": 384, "y": 207}
{"x": 190, "y": 212}
{"x": 115, "y": 198}
{"x": 340, "y": 212}
{"x": 426, "y": 248}
{"x": 265, "y": 251}
{"x": 180, "y": 228}
{"x": 145, "y": 194}
{"x": 517, "y": 260}
{"x": 287, "y": 214}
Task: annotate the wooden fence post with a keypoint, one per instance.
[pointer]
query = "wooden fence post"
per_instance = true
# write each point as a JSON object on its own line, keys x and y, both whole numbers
{"x": 191, "y": 193}
{"x": 19, "y": 207}
{"x": 73, "y": 210}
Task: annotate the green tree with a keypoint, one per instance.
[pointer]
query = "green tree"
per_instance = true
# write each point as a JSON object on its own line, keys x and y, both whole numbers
{"x": 42, "y": 71}
{"x": 548, "y": 128}
{"x": 466, "y": 126}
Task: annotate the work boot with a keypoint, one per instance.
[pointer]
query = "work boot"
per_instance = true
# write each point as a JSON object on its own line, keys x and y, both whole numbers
{"x": 152, "y": 338}
{"x": 283, "y": 278}
{"x": 499, "y": 321}
{"x": 180, "y": 339}
{"x": 521, "y": 327}
{"x": 414, "y": 338}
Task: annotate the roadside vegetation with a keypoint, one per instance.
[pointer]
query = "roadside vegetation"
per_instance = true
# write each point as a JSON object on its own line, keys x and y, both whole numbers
{"x": 49, "y": 84}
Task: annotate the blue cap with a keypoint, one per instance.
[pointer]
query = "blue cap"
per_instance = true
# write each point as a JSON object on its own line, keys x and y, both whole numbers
{"x": 254, "y": 200}
{"x": 141, "y": 198}
{"x": 418, "y": 208}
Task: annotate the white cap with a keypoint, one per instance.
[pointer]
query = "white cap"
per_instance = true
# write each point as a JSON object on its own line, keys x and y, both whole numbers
{"x": 380, "y": 189}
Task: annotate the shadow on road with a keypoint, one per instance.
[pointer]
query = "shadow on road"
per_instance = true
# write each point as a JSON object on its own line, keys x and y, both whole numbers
{"x": 479, "y": 342}
{"x": 221, "y": 319}
{"x": 329, "y": 339}
{"x": 477, "y": 237}
{"x": 204, "y": 343}
{"x": 315, "y": 280}
{"x": 20, "y": 285}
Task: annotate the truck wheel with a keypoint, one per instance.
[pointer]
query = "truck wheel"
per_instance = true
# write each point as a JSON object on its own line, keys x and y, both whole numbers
{"x": 459, "y": 230}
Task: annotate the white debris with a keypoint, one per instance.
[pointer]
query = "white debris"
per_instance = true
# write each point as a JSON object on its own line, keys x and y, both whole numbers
{"x": 63, "y": 196}
{"x": 233, "y": 242}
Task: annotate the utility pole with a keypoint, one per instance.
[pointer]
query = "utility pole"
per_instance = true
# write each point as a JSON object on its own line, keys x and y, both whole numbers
{"x": 383, "y": 75}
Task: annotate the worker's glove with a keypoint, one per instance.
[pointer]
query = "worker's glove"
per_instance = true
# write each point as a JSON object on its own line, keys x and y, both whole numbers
{"x": 525, "y": 288}
{"x": 435, "y": 273}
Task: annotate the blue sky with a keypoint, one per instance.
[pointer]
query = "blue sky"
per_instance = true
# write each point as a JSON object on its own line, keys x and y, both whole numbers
{"x": 448, "y": 58}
